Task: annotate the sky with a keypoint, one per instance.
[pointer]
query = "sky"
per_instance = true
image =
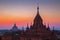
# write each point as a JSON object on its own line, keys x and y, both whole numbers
{"x": 22, "y": 12}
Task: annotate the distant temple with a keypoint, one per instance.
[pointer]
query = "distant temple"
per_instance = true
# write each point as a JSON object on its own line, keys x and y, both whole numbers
{"x": 14, "y": 28}
{"x": 37, "y": 31}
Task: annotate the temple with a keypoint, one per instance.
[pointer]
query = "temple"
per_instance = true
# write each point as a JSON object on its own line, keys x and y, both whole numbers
{"x": 37, "y": 31}
{"x": 14, "y": 28}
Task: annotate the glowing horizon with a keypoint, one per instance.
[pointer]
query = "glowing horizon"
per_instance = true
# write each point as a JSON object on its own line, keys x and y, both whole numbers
{"x": 23, "y": 12}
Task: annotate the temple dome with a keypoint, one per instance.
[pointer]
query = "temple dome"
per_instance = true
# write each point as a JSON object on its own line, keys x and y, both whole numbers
{"x": 14, "y": 27}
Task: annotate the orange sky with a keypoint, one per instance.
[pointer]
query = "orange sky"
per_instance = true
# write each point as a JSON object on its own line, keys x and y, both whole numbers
{"x": 23, "y": 12}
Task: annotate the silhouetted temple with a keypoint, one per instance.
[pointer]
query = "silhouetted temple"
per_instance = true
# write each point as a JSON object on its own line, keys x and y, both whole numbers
{"x": 14, "y": 28}
{"x": 37, "y": 31}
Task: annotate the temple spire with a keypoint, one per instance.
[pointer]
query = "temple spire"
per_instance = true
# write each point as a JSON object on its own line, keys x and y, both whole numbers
{"x": 37, "y": 8}
{"x": 38, "y": 20}
{"x": 27, "y": 27}
{"x": 15, "y": 24}
{"x": 53, "y": 28}
{"x": 48, "y": 27}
